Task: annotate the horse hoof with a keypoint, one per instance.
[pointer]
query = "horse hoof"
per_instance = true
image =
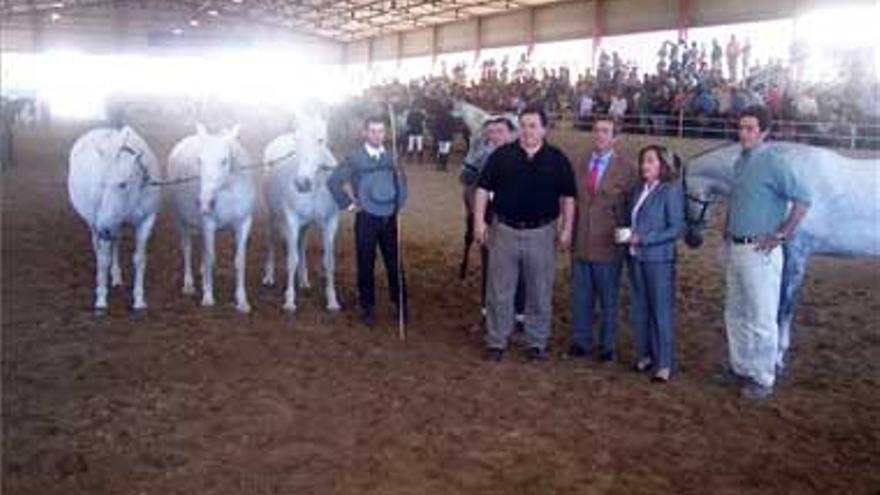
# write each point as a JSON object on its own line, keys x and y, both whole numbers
{"x": 100, "y": 311}
{"x": 268, "y": 282}
{"x": 207, "y": 301}
{"x": 189, "y": 290}
{"x": 289, "y": 307}
{"x": 333, "y": 306}
{"x": 243, "y": 308}
{"x": 139, "y": 306}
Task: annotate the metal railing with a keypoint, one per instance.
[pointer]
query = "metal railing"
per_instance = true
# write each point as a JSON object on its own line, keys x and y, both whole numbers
{"x": 845, "y": 135}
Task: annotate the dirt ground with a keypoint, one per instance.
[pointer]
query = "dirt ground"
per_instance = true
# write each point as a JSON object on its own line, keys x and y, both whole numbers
{"x": 187, "y": 400}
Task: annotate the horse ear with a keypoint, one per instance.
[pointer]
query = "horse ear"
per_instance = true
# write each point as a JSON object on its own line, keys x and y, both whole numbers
{"x": 233, "y": 132}
{"x": 201, "y": 130}
{"x": 677, "y": 164}
{"x": 300, "y": 120}
{"x": 122, "y": 138}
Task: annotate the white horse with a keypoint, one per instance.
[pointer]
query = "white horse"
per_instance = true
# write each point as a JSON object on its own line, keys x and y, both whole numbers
{"x": 297, "y": 196}
{"x": 843, "y": 219}
{"x": 221, "y": 193}
{"x": 110, "y": 185}
{"x": 474, "y": 118}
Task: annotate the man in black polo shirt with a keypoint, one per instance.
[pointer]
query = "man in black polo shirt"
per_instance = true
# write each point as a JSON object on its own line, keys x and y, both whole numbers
{"x": 532, "y": 182}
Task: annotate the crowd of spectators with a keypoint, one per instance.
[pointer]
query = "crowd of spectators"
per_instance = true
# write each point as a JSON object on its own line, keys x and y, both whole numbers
{"x": 698, "y": 86}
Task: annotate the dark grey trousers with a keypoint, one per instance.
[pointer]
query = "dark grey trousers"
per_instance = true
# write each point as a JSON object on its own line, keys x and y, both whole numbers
{"x": 534, "y": 252}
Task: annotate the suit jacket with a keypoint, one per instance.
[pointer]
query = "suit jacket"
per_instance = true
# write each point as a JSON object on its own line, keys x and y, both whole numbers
{"x": 598, "y": 214}
{"x": 659, "y": 221}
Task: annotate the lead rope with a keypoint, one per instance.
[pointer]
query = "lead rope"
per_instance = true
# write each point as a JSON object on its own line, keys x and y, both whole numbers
{"x": 261, "y": 165}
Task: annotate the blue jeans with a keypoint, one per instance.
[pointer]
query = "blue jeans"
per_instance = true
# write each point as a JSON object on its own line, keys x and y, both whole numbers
{"x": 589, "y": 281}
{"x": 653, "y": 310}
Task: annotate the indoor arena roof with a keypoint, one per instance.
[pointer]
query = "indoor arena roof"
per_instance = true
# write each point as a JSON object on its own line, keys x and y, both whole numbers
{"x": 338, "y": 20}
{"x": 348, "y": 21}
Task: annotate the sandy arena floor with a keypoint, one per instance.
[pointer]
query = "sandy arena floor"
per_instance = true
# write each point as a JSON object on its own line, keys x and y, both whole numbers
{"x": 188, "y": 400}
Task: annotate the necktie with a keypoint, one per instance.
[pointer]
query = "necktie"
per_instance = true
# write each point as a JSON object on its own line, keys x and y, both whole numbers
{"x": 593, "y": 178}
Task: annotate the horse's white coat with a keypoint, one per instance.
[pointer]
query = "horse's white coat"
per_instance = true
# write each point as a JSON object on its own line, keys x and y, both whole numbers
{"x": 845, "y": 212}
{"x": 297, "y": 196}
{"x": 223, "y": 194}
{"x": 109, "y": 186}
{"x": 474, "y": 117}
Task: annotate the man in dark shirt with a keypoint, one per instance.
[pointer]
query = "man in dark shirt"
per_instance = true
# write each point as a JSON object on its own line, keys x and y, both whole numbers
{"x": 531, "y": 182}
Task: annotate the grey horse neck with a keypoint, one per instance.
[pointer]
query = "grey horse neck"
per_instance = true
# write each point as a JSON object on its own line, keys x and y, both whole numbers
{"x": 844, "y": 193}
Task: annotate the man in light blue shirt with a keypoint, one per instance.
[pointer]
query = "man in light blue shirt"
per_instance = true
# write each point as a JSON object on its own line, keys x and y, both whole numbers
{"x": 763, "y": 187}
{"x": 766, "y": 205}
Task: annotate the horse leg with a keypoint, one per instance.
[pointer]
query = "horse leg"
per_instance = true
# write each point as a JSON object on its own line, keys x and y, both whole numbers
{"x": 329, "y": 234}
{"x": 468, "y": 241}
{"x": 797, "y": 255}
{"x": 242, "y": 232}
{"x": 142, "y": 235}
{"x": 468, "y": 199}
{"x": 115, "y": 270}
{"x": 208, "y": 257}
{"x": 291, "y": 233}
{"x": 186, "y": 244}
{"x": 269, "y": 266}
{"x": 302, "y": 270}
{"x": 102, "y": 265}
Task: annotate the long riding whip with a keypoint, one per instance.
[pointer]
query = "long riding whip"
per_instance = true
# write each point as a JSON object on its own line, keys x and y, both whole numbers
{"x": 401, "y": 320}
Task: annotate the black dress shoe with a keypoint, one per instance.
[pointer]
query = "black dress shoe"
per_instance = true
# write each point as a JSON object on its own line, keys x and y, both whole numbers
{"x": 535, "y": 354}
{"x": 606, "y": 357}
{"x": 576, "y": 352}
{"x": 368, "y": 317}
{"x": 493, "y": 354}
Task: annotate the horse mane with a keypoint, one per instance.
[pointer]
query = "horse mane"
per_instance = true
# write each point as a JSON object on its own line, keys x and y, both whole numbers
{"x": 708, "y": 150}
{"x": 480, "y": 114}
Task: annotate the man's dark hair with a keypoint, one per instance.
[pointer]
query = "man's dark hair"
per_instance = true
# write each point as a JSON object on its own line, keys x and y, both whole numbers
{"x": 500, "y": 120}
{"x": 535, "y": 110}
{"x": 604, "y": 117}
{"x": 374, "y": 119}
{"x": 759, "y": 112}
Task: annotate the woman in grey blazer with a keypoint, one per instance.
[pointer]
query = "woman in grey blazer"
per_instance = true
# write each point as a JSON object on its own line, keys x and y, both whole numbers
{"x": 656, "y": 219}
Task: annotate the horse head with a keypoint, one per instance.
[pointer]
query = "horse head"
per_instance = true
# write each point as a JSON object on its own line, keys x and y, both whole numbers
{"x": 312, "y": 152}
{"x": 126, "y": 175}
{"x": 705, "y": 178}
{"x": 217, "y": 158}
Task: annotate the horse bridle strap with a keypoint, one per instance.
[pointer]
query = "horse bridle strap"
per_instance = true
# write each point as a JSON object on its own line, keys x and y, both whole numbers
{"x": 704, "y": 203}
{"x": 145, "y": 172}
